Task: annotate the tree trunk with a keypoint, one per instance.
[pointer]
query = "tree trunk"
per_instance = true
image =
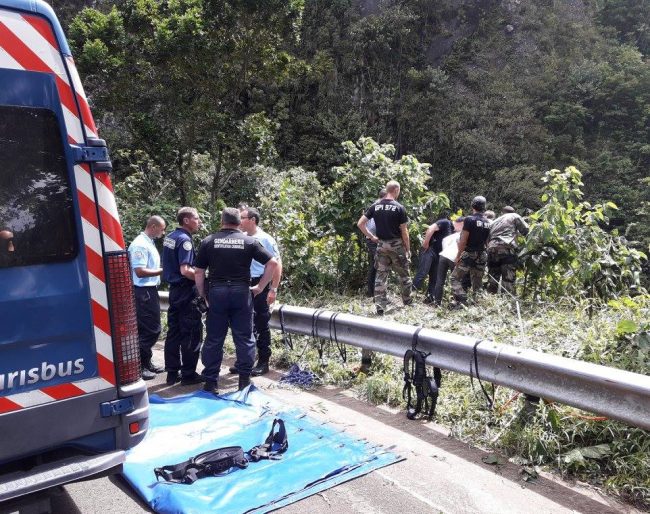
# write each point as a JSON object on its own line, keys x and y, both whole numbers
{"x": 182, "y": 180}
{"x": 216, "y": 189}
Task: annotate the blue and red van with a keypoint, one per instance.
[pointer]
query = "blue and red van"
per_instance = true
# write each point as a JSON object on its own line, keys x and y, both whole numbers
{"x": 71, "y": 396}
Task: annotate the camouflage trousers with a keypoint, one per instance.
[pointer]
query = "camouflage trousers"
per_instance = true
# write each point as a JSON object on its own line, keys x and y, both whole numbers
{"x": 502, "y": 264}
{"x": 391, "y": 254}
{"x": 471, "y": 264}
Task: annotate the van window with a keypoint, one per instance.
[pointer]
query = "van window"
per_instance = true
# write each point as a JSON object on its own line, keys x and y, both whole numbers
{"x": 36, "y": 212}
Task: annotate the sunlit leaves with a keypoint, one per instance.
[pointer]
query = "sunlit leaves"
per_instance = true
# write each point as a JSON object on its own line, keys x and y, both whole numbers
{"x": 569, "y": 252}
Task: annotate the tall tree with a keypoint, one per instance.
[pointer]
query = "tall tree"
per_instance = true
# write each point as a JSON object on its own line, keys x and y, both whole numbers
{"x": 188, "y": 77}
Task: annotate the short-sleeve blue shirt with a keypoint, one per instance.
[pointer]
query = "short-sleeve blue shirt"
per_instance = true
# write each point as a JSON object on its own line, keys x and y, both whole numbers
{"x": 144, "y": 254}
{"x": 257, "y": 269}
{"x": 178, "y": 249}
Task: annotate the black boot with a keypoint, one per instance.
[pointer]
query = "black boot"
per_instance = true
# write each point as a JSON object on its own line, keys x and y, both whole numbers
{"x": 244, "y": 381}
{"x": 147, "y": 374}
{"x": 262, "y": 368}
{"x": 211, "y": 386}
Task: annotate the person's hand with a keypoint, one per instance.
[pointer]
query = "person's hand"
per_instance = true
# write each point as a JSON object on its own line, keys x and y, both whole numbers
{"x": 271, "y": 297}
{"x": 256, "y": 290}
{"x": 408, "y": 256}
{"x": 374, "y": 239}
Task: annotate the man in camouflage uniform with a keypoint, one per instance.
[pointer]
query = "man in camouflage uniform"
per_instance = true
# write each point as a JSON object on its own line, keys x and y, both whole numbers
{"x": 471, "y": 257}
{"x": 502, "y": 249}
{"x": 393, "y": 246}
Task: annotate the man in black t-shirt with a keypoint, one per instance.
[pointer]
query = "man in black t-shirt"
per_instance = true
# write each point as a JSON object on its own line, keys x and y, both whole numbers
{"x": 393, "y": 247}
{"x": 227, "y": 255}
{"x": 431, "y": 248}
{"x": 471, "y": 257}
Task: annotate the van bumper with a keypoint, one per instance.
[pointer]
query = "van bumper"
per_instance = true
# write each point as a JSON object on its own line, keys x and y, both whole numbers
{"x": 52, "y": 474}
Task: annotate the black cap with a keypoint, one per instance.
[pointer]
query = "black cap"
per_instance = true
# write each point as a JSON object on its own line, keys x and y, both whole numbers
{"x": 479, "y": 203}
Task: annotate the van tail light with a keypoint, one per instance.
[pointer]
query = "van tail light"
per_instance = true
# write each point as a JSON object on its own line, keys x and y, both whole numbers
{"x": 124, "y": 323}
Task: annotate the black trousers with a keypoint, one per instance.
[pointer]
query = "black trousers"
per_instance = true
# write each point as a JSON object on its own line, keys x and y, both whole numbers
{"x": 231, "y": 306}
{"x": 185, "y": 330}
{"x": 147, "y": 306}
{"x": 443, "y": 268}
{"x": 261, "y": 319}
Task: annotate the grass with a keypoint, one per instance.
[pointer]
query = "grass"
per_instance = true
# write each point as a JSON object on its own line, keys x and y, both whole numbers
{"x": 605, "y": 453}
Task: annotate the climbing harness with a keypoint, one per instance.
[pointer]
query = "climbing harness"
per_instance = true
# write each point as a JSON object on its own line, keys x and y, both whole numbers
{"x": 415, "y": 377}
{"x": 221, "y": 460}
{"x": 274, "y": 446}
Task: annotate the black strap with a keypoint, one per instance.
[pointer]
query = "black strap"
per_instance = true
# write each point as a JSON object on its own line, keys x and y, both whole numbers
{"x": 416, "y": 338}
{"x": 490, "y": 401}
{"x": 314, "y": 333}
{"x": 340, "y": 346}
{"x": 409, "y": 363}
{"x": 286, "y": 337}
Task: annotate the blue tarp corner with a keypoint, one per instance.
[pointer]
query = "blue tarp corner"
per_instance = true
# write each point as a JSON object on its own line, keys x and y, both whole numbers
{"x": 319, "y": 456}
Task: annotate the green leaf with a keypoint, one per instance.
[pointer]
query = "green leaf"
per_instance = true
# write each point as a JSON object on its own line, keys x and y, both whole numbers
{"x": 626, "y": 326}
{"x": 596, "y": 452}
{"x": 573, "y": 457}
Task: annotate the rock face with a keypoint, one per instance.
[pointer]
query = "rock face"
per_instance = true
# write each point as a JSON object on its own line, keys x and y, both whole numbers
{"x": 458, "y": 20}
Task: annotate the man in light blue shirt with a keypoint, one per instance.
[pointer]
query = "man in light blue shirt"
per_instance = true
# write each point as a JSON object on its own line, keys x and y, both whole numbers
{"x": 250, "y": 218}
{"x": 145, "y": 263}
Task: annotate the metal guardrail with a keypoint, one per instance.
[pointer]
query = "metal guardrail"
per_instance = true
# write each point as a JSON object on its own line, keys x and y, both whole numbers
{"x": 610, "y": 392}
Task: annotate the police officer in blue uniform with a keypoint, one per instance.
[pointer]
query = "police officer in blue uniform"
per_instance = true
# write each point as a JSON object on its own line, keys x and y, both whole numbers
{"x": 250, "y": 219}
{"x": 145, "y": 263}
{"x": 184, "y": 328}
{"x": 227, "y": 256}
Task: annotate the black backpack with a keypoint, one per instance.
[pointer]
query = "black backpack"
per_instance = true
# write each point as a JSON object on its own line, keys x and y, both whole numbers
{"x": 415, "y": 378}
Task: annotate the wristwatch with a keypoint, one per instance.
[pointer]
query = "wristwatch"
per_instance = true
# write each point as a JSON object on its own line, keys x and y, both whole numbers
{"x": 273, "y": 289}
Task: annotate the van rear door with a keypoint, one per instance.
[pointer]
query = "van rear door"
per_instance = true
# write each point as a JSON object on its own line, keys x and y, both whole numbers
{"x": 69, "y": 361}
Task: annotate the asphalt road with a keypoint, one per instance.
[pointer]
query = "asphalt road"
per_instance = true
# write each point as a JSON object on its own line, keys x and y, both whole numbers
{"x": 439, "y": 474}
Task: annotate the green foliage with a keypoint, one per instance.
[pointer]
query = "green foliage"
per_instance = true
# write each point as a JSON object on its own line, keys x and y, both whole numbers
{"x": 568, "y": 252}
{"x": 630, "y": 20}
{"x": 180, "y": 79}
{"x": 368, "y": 167}
{"x": 288, "y": 201}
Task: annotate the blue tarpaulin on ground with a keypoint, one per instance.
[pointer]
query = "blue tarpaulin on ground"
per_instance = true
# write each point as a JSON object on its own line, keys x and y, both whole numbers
{"x": 319, "y": 456}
